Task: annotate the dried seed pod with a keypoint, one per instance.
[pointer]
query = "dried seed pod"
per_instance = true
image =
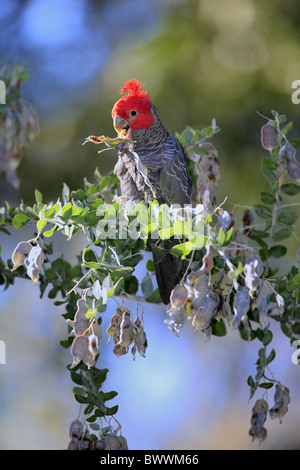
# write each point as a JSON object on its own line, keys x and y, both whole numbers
{"x": 206, "y": 312}
{"x": 100, "y": 444}
{"x": 93, "y": 344}
{"x": 176, "y": 319}
{"x": 248, "y": 218}
{"x": 34, "y": 262}
{"x": 292, "y": 165}
{"x": 113, "y": 442}
{"x": 115, "y": 322}
{"x": 97, "y": 330}
{"x": 80, "y": 323}
{"x": 76, "y": 429}
{"x": 20, "y": 254}
{"x": 258, "y": 417}
{"x": 226, "y": 220}
{"x": 126, "y": 330}
{"x": 81, "y": 352}
{"x": 282, "y": 400}
{"x": 253, "y": 269}
{"x": 140, "y": 341}
{"x": 73, "y": 444}
{"x": 269, "y": 137}
{"x": 240, "y": 305}
{"x": 179, "y": 296}
{"x": 124, "y": 445}
{"x": 120, "y": 350}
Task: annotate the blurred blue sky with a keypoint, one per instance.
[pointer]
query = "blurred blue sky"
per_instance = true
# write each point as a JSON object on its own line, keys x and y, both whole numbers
{"x": 67, "y": 43}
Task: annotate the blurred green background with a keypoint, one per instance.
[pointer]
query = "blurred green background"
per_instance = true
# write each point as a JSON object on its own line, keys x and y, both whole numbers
{"x": 200, "y": 59}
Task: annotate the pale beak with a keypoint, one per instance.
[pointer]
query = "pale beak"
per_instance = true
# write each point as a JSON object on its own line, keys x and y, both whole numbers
{"x": 121, "y": 125}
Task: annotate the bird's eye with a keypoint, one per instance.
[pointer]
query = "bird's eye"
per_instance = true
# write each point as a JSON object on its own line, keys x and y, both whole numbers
{"x": 133, "y": 113}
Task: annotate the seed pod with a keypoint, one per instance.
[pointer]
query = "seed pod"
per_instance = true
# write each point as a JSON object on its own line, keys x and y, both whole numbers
{"x": 282, "y": 400}
{"x": 226, "y": 220}
{"x": 113, "y": 442}
{"x": 126, "y": 330}
{"x": 120, "y": 350}
{"x": 100, "y": 444}
{"x": 34, "y": 262}
{"x": 178, "y": 297}
{"x": 80, "y": 323}
{"x": 115, "y": 322}
{"x": 93, "y": 344}
{"x": 240, "y": 305}
{"x": 80, "y": 351}
{"x": 76, "y": 429}
{"x": 140, "y": 343}
{"x": 258, "y": 417}
{"x": 176, "y": 319}
{"x": 207, "y": 311}
{"x": 292, "y": 165}
{"x": 253, "y": 269}
{"x": 247, "y": 221}
{"x": 20, "y": 254}
{"x": 268, "y": 137}
{"x": 124, "y": 445}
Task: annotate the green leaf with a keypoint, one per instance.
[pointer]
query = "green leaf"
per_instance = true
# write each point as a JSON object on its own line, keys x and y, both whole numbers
{"x": 282, "y": 234}
{"x": 50, "y": 232}
{"x": 150, "y": 265}
{"x": 119, "y": 286}
{"x": 278, "y": 250}
{"x": 287, "y": 218}
{"x": 80, "y": 398}
{"x": 266, "y": 385}
{"x": 287, "y": 128}
{"x": 271, "y": 356}
{"x": 291, "y": 189}
{"x": 166, "y": 233}
{"x": 267, "y": 198}
{"x": 41, "y": 224}
{"x": 270, "y": 174}
{"x": 112, "y": 410}
{"x": 221, "y": 237}
{"x": 218, "y": 327}
{"x": 52, "y": 211}
{"x": 182, "y": 249}
{"x": 182, "y": 228}
{"x": 78, "y": 195}
{"x": 131, "y": 285}
{"x": 19, "y": 220}
{"x": 269, "y": 164}
{"x": 154, "y": 298}
{"x": 268, "y": 336}
{"x": 38, "y": 196}
{"x": 147, "y": 286}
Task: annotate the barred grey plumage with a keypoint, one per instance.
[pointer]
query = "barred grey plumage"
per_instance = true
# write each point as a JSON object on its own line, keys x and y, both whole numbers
{"x": 165, "y": 161}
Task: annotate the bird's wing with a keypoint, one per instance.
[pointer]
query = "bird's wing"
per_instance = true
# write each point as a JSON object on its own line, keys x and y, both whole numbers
{"x": 175, "y": 180}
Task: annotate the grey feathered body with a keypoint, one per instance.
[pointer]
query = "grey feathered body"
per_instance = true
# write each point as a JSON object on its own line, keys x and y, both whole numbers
{"x": 165, "y": 160}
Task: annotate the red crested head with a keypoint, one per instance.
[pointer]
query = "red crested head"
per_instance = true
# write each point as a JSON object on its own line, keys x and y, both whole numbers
{"x": 133, "y": 110}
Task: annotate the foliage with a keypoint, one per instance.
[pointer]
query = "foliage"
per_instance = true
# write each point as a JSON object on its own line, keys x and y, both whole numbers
{"x": 232, "y": 280}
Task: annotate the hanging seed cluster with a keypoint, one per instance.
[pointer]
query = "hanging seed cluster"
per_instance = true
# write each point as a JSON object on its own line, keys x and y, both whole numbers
{"x": 85, "y": 346}
{"x": 125, "y": 332}
{"x": 18, "y": 123}
{"x": 25, "y": 254}
{"x": 82, "y": 440}
{"x": 261, "y": 408}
